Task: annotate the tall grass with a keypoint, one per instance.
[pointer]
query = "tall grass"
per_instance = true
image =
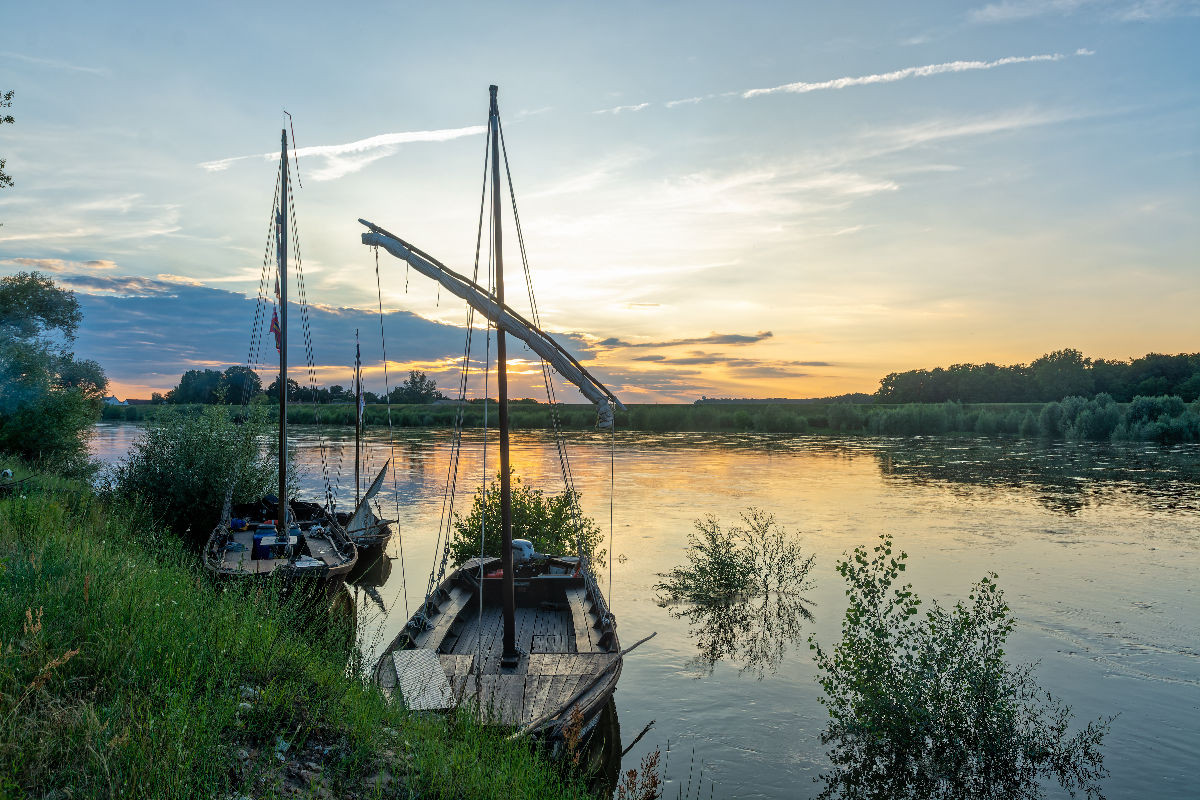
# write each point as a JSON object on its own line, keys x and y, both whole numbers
{"x": 125, "y": 673}
{"x": 1162, "y": 419}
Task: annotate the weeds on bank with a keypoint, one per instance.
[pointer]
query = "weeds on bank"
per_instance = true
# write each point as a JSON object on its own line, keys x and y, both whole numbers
{"x": 125, "y": 672}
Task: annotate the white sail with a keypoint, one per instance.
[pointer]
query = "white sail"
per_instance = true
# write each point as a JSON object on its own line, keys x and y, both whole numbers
{"x": 363, "y": 518}
{"x": 504, "y": 318}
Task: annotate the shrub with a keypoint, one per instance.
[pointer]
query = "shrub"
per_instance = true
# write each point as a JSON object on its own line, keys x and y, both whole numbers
{"x": 182, "y": 465}
{"x": 724, "y": 564}
{"x": 554, "y": 524}
{"x": 925, "y": 706}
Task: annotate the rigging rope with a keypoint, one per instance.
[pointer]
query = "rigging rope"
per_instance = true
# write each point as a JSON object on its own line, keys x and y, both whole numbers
{"x": 391, "y": 438}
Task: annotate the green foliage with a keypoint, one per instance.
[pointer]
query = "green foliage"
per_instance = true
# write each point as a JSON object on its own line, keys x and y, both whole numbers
{"x": 1050, "y": 378}
{"x": 237, "y": 384}
{"x": 740, "y": 591}
{"x": 48, "y": 400}
{"x": 922, "y": 703}
{"x": 417, "y": 388}
{"x": 553, "y": 523}
{"x": 126, "y": 673}
{"x": 183, "y": 464}
{"x": 754, "y": 558}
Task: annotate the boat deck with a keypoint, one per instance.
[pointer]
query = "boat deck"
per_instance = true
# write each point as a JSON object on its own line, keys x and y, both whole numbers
{"x": 242, "y": 560}
{"x": 560, "y": 654}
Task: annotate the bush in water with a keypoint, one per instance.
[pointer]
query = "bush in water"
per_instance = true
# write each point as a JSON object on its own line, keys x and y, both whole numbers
{"x": 745, "y": 560}
{"x": 183, "y": 464}
{"x": 923, "y": 705}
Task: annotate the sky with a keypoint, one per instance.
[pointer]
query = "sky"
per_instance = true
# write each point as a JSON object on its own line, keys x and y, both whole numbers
{"x": 726, "y": 199}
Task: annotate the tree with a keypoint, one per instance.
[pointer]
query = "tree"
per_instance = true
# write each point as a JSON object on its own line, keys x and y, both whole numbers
{"x": 924, "y": 705}
{"x": 5, "y": 119}
{"x": 48, "y": 400}
{"x": 554, "y": 524}
{"x": 417, "y": 388}
{"x": 294, "y": 392}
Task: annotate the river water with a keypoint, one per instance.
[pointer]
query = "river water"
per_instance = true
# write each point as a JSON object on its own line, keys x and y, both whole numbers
{"x": 1097, "y": 548}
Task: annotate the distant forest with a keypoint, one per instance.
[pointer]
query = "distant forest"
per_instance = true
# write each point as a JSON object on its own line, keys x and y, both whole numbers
{"x": 1051, "y": 378}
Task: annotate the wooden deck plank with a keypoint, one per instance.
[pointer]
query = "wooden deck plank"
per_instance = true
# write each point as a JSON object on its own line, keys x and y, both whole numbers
{"x": 584, "y": 635}
{"x": 449, "y": 612}
{"x": 422, "y": 680}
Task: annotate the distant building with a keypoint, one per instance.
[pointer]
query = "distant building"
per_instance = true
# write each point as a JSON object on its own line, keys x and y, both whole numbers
{"x": 112, "y": 400}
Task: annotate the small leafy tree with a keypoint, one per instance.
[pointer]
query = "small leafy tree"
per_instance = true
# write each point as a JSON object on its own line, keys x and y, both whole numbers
{"x": 416, "y": 388}
{"x": 553, "y": 523}
{"x": 745, "y": 560}
{"x": 182, "y": 465}
{"x": 48, "y": 400}
{"x": 924, "y": 705}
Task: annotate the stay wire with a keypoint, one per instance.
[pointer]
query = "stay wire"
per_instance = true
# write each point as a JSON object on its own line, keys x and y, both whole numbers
{"x": 391, "y": 439}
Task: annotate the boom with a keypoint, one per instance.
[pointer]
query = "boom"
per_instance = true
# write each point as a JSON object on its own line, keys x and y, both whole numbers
{"x": 503, "y": 317}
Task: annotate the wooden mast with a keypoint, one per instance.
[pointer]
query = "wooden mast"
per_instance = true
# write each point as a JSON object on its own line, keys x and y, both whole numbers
{"x": 358, "y": 408}
{"x": 510, "y": 656}
{"x": 281, "y": 230}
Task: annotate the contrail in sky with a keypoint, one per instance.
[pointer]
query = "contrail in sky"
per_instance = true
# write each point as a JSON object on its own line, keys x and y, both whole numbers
{"x": 361, "y": 147}
{"x": 802, "y": 87}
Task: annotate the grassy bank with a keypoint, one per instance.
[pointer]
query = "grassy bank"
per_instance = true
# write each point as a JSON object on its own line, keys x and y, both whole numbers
{"x": 1164, "y": 419}
{"x": 124, "y": 672}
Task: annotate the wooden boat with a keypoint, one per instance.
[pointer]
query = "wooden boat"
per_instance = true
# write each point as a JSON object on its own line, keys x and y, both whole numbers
{"x": 527, "y": 639}
{"x": 292, "y": 537}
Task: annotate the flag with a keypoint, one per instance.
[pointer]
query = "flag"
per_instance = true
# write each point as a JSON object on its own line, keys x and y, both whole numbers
{"x": 275, "y": 328}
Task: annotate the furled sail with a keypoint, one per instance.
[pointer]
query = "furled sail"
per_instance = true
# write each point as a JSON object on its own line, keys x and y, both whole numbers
{"x": 363, "y": 518}
{"x": 503, "y": 317}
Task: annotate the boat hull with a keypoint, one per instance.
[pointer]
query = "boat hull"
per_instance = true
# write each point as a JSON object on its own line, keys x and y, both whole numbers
{"x": 569, "y": 653}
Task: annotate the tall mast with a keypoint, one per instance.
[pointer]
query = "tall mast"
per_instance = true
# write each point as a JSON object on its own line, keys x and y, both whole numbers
{"x": 510, "y": 656}
{"x": 281, "y": 231}
{"x": 358, "y": 408}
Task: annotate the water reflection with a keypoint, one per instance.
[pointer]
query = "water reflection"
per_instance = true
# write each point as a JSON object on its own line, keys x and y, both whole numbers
{"x": 1062, "y": 477}
{"x": 753, "y": 633}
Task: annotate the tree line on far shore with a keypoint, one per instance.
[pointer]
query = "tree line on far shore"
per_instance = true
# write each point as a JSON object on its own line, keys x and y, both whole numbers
{"x": 238, "y": 385}
{"x": 1051, "y": 378}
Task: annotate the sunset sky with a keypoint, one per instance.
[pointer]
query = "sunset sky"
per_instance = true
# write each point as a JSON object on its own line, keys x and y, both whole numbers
{"x": 726, "y": 199}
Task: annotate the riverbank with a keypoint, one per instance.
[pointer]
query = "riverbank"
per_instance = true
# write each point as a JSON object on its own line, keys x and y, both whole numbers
{"x": 125, "y": 672}
{"x": 1163, "y": 419}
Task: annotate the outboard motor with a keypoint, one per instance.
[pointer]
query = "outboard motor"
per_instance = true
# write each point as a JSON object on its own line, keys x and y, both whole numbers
{"x": 522, "y": 550}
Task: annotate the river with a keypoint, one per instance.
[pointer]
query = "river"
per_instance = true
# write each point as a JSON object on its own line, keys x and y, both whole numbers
{"x": 1097, "y": 548}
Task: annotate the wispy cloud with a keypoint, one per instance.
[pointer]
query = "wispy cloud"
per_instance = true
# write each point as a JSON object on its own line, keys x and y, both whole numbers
{"x": 687, "y": 101}
{"x": 1140, "y": 11}
{"x": 53, "y": 63}
{"x": 803, "y": 87}
{"x": 714, "y": 338}
{"x": 622, "y": 109}
{"x": 343, "y": 159}
{"x": 61, "y": 265}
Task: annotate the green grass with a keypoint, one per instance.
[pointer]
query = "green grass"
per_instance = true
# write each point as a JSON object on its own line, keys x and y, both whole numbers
{"x": 125, "y": 672}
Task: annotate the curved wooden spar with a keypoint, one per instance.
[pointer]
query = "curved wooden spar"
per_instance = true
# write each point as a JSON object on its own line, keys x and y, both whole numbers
{"x": 503, "y": 317}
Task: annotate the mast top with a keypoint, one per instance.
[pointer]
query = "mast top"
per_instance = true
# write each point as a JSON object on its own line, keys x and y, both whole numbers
{"x": 492, "y": 90}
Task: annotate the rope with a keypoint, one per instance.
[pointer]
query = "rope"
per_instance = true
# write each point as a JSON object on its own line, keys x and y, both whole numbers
{"x": 308, "y": 350}
{"x": 391, "y": 440}
{"x": 559, "y": 440}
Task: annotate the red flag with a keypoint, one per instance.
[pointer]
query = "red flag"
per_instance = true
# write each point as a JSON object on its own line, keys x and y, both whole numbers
{"x": 275, "y": 328}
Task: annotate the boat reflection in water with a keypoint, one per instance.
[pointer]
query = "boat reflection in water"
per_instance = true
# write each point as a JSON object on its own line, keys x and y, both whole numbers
{"x": 752, "y": 633}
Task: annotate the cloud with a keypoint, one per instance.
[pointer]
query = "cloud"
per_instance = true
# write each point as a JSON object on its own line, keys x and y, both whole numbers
{"x": 60, "y": 265}
{"x": 1141, "y": 11}
{"x": 802, "y": 87}
{"x": 687, "y": 101}
{"x": 715, "y": 338}
{"x": 343, "y": 159}
{"x": 54, "y": 63}
{"x": 622, "y": 109}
